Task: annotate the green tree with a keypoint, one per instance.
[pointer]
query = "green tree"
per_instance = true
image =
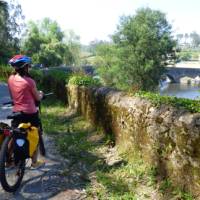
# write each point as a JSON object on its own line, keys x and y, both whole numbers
{"x": 186, "y": 36}
{"x": 11, "y": 23}
{"x": 4, "y": 33}
{"x": 106, "y": 61}
{"x": 45, "y": 42}
{"x": 144, "y": 44}
{"x": 179, "y": 37}
{"x": 73, "y": 42}
{"x": 185, "y": 56}
{"x": 195, "y": 39}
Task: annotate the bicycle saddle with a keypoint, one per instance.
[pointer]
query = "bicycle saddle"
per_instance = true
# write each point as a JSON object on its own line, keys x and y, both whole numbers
{"x": 15, "y": 115}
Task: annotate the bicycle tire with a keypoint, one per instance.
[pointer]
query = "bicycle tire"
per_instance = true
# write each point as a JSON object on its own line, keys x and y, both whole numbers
{"x": 3, "y": 179}
{"x": 41, "y": 146}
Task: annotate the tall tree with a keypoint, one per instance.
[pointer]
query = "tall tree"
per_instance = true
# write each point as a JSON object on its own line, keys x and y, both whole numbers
{"x": 179, "y": 37}
{"x": 44, "y": 42}
{"x": 73, "y": 42}
{"x": 11, "y": 21}
{"x": 186, "y": 35}
{"x": 195, "y": 39}
{"x": 106, "y": 61}
{"x": 4, "y": 17}
{"x": 144, "y": 44}
{"x": 4, "y": 32}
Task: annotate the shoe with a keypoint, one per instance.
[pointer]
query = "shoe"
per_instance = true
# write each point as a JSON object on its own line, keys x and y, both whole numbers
{"x": 38, "y": 164}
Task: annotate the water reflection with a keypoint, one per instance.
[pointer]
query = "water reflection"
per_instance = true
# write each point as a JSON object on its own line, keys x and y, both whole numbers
{"x": 180, "y": 90}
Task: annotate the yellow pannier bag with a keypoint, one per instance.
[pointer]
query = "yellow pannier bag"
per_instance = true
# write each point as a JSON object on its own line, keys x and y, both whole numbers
{"x": 32, "y": 136}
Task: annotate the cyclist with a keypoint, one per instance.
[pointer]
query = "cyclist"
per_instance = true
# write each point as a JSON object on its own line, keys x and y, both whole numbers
{"x": 24, "y": 94}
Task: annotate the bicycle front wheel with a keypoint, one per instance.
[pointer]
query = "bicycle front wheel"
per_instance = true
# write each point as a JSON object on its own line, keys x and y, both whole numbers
{"x": 11, "y": 174}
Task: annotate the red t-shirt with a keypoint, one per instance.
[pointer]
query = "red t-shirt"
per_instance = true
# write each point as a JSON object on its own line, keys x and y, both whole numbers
{"x": 21, "y": 92}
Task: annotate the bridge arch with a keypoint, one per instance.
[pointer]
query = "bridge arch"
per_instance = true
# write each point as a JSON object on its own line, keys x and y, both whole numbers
{"x": 175, "y": 73}
{"x": 171, "y": 78}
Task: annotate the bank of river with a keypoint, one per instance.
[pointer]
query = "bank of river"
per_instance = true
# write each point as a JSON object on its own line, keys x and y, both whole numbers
{"x": 181, "y": 90}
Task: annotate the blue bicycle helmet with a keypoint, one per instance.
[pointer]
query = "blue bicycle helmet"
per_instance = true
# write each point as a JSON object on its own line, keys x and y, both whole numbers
{"x": 19, "y": 61}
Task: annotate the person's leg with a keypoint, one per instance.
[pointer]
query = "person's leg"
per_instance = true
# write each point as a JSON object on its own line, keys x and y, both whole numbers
{"x": 35, "y": 161}
{"x": 34, "y": 120}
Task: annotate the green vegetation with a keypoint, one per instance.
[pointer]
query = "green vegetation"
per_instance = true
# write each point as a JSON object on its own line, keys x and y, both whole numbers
{"x": 188, "y": 55}
{"x": 107, "y": 61}
{"x": 84, "y": 80}
{"x": 10, "y": 28}
{"x": 47, "y": 44}
{"x": 105, "y": 174}
{"x": 188, "y": 40}
{"x": 141, "y": 48}
{"x": 53, "y": 78}
{"x": 134, "y": 60}
{"x": 56, "y": 80}
{"x": 185, "y": 56}
{"x": 5, "y": 72}
{"x": 157, "y": 100}
{"x": 52, "y": 81}
{"x": 37, "y": 75}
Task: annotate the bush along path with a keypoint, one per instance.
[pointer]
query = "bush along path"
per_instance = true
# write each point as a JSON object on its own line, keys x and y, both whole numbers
{"x": 93, "y": 168}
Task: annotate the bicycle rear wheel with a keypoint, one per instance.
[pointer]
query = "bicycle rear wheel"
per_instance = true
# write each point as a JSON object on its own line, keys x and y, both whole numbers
{"x": 11, "y": 174}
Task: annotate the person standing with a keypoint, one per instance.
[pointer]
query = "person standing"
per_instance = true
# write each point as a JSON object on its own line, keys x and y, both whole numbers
{"x": 24, "y": 94}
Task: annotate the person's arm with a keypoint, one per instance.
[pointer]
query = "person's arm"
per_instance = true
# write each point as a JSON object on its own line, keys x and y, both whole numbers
{"x": 38, "y": 95}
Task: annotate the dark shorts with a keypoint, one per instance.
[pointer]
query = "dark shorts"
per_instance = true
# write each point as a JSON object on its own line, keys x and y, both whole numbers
{"x": 25, "y": 118}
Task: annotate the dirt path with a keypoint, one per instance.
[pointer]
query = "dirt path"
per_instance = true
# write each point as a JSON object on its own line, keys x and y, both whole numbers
{"x": 49, "y": 181}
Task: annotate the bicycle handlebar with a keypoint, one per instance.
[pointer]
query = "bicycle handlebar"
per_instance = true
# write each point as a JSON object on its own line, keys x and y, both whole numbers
{"x": 44, "y": 97}
{"x": 47, "y": 94}
{"x": 7, "y": 103}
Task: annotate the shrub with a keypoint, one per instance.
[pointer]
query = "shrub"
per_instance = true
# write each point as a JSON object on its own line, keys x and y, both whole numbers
{"x": 157, "y": 100}
{"x": 84, "y": 80}
{"x": 5, "y": 72}
{"x": 185, "y": 56}
{"x": 52, "y": 81}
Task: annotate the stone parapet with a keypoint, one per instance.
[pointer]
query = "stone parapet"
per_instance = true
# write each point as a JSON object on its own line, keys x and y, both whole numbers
{"x": 167, "y": 137}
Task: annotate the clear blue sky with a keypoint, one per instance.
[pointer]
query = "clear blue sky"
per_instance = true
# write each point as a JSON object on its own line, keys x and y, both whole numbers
{"x": 97, "y": 19}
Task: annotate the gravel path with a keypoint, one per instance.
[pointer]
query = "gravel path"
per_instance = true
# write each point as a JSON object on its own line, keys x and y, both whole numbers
{"x": 56, "y": 180}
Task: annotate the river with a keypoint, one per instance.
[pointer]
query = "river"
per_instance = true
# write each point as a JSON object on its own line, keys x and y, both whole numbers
{"x": 180, "y": 90}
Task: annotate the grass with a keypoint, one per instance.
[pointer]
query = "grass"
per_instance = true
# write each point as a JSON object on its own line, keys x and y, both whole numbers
{"x": 158, "y": 100}
{"x": 127, "y": 177}
{"x": 5, "y": 71}
{"x": 84, "y": 80}
{"x": 71, "y": 132}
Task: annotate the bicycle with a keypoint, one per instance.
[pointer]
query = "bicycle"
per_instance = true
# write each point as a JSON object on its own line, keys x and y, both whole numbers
{"x": 12, "y": 169}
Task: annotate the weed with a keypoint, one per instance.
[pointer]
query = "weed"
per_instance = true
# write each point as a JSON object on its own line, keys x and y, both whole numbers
{"x": 78, "y": 141}
{"x": 165, "y": 185}
{"x": 180, "y": 194}
{"x": 158, "y": 100}
{"x": 84, "y": 80}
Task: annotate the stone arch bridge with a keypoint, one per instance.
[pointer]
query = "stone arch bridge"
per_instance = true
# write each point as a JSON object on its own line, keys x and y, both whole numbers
{"x": 175, "y": 73}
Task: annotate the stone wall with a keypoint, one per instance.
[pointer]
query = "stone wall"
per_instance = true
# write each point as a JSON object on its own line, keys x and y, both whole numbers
{"x": 167, "y": 138}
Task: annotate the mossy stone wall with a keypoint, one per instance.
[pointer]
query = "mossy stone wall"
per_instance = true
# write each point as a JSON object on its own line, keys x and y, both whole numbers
{"x": 166, "y": 137}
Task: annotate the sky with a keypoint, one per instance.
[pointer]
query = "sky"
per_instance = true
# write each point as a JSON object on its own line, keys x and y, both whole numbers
{"x": 98, "y": 19}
